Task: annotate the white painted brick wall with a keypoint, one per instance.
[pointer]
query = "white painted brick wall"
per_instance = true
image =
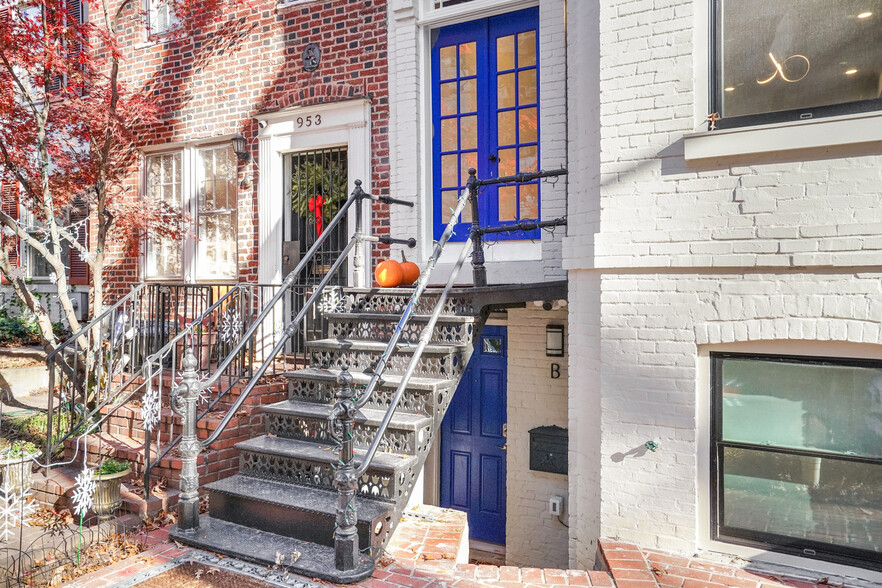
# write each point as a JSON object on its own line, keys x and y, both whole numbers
{"x": 533, "y": 537}
{"x": 666, "y": 255}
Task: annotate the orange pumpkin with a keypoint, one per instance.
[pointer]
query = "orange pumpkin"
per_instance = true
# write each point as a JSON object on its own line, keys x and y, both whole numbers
{"x": 388, "y": 273}
{"x": 410, "y": 272}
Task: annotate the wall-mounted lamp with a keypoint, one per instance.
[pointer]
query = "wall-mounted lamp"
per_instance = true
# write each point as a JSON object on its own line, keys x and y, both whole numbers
{"x": 240, "y": 148}
{"x": 554, "y": 340}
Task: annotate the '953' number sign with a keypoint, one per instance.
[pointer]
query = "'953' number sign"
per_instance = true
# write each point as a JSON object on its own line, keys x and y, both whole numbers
{"x": 312, "y": 120}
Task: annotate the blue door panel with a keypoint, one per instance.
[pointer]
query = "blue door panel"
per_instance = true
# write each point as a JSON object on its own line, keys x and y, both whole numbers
{"x": 473, "y": 459}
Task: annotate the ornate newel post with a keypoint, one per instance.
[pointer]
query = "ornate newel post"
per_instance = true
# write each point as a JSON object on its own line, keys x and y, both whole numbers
{"x": 479, "y": 270}
{"x": 183, "y": 402}
{"x": 341, "y": 420}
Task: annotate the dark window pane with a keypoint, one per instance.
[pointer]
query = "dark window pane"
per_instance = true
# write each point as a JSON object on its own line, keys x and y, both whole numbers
{"x": 797, "y": 54}
{"x": 810, "y": 498}
{"x": 801, "y": 405}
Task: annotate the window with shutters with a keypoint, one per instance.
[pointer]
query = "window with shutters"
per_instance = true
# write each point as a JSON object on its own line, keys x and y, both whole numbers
{"x": 485, "y": 103}
{"x": 201, "y": 183}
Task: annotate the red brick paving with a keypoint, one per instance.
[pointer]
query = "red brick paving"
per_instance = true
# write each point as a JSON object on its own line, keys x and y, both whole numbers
{"x": 424, "y": 553}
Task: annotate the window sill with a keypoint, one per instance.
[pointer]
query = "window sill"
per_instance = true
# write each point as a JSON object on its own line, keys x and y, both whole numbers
{"x": 823, "y": 132}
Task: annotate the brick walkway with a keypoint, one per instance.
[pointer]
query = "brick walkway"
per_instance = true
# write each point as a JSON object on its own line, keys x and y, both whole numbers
{"x": 429, "y": 549}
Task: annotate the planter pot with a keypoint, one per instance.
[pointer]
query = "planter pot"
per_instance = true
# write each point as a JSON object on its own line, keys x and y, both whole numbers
{"x": 106, "y": 498}
{"x": 15, "y": 473}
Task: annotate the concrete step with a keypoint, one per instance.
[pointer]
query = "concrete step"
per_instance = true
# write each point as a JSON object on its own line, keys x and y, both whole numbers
{"x": 308, "y": 421}
{"x": 298, "y": 512}
{"x": 304, "y": 463}
{"x": 310, "y": 560}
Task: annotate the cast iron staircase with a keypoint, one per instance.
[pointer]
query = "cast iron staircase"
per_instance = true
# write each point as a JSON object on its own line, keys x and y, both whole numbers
{"x": 280, "y": 508}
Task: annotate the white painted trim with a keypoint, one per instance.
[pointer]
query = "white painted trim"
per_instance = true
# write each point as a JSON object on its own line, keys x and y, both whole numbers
{"x": 469, "y": 11}
{"x": 344, "y": 123}
{"x": 823, "y": 132}
{"x": 703, "y": 432}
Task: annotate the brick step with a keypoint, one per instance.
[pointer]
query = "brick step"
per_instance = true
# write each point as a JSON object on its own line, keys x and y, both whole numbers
{"x": 379, "y": 326}
{"x": 320, "y": 385}
{"x": 127, "y": 421}
{"x": 438, "y": 361}
{"x": 309, "y": 464}
{"x": 308, "y": 421}
{"x": 302, "y": 513}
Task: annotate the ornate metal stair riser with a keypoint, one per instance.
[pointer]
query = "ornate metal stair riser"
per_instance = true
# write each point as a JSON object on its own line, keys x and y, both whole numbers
{"x": 395, "y": 301}
{"x": 449, "y": 365}
{"x": 374, "y": 329}
{"x": 318, "y": 431}
{"x": 378, "y": 484}
{"x": 415, "y": 402}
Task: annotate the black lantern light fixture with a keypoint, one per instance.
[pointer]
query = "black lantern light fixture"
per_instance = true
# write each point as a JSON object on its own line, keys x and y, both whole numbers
{"x": 554, "y": 340}
{"x": 240, "y": 148}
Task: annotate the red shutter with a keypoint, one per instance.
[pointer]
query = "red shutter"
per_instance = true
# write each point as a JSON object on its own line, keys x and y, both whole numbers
{"x": 9, "y": 199}
{"x": 79, "y": 269}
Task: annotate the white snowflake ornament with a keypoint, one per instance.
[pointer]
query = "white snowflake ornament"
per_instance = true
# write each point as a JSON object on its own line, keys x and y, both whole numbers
{"x": 53, "y": 277}
{"x": 15, "y": 508}
{"x": 82, "y": 495}
{"x": 231, "y": 326}
{"x": 87, "y": 256}
{"x": 8, "y": 231}
{"x": 150, "y": 409}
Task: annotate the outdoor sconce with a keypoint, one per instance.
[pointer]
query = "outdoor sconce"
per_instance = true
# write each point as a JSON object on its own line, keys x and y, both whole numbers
{"x": 240, "y": 148}
{"x": 554, "y": 340}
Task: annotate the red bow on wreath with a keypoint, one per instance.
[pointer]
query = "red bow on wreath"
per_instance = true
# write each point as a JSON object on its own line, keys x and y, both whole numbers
{"x": 315, "y": 204}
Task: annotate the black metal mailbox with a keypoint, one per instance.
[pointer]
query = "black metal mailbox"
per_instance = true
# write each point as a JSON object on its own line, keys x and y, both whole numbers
{"x": 548, "y": 449}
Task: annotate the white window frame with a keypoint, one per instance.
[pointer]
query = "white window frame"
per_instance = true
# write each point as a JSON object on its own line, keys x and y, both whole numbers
{"x": 152, "y": 10}
{"x": 830, "y": 132}
{"x": 190, "y": 177}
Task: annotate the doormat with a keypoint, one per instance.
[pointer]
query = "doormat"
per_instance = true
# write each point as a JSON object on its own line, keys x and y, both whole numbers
{"x": 205, "y": 570}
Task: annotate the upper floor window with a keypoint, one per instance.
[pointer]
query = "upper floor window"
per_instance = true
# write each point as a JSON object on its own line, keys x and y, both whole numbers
{"x": 160, "y": 16}
{"x": 485, "y": 101}
{"x": 795, "y": 59}
{"x": 200, "y": 183}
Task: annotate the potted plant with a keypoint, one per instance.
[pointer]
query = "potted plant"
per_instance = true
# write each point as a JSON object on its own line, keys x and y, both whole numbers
{"x": 108, "y": 480}
{"x": 15, "y": 466}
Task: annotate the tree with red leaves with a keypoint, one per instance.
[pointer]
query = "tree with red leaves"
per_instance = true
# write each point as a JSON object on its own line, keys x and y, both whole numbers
{"x": 68, "y": 139}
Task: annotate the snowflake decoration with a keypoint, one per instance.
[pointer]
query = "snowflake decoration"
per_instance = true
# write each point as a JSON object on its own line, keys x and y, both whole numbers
{"x": 82, "y": 495}
{"x": 53, "y": 277}
{"x": 150, "y": 409}
{"x": 332, "y": 301}
{"x": 87, "y": 256}
{"x": 204, "y": 393}
{"x": 15, "y": 508}
{"x": 17, "y": 273}
{"x": 9, "y": 231}
{"x": 231, "y": 326}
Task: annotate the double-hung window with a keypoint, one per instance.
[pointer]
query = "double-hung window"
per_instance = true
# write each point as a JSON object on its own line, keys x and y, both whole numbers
{"x": 200, "y": 183}
{"x": 797, "y": 455}
{"x": 160, "y": 17}
{"x": 485, "y": 101}
{"x": 795, "y": 60}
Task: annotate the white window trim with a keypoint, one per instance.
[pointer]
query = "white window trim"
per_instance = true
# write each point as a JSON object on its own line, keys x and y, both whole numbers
{"x": 152, "y": 35}
{"x": 827, "y": 132}
{"x": 761, "y": 558}
{"x": 189, "y": 202}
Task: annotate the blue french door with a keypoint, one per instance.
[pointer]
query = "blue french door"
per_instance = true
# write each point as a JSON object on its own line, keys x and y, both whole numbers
{"x": 473, "y": 440}
{"x": 485, "y": 113}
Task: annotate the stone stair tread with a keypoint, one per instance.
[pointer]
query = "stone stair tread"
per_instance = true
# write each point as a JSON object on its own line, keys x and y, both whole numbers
{"x": 388, "y": 380}
{"x": 296, "y": 497}
{"x": 371, "y": 416}
{"x": 396, "y": 316}
{"x": 314, "y": 561}
{"x": 380, "y": 346}
{"x": 294, "y": 448}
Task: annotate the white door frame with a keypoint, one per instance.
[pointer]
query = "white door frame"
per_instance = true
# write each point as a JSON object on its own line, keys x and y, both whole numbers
{"x": 346, "y": 123}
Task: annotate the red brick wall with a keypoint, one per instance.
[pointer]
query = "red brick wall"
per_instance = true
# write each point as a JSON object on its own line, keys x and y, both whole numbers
{"x": 215, "y": 81}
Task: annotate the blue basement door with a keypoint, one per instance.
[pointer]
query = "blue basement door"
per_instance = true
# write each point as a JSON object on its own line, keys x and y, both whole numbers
{"x": 473, "y": 440}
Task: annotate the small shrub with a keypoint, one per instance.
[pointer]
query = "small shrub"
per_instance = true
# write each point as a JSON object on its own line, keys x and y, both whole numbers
{"x": 112, "y": 466}
{"x": 17, "y": 448}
